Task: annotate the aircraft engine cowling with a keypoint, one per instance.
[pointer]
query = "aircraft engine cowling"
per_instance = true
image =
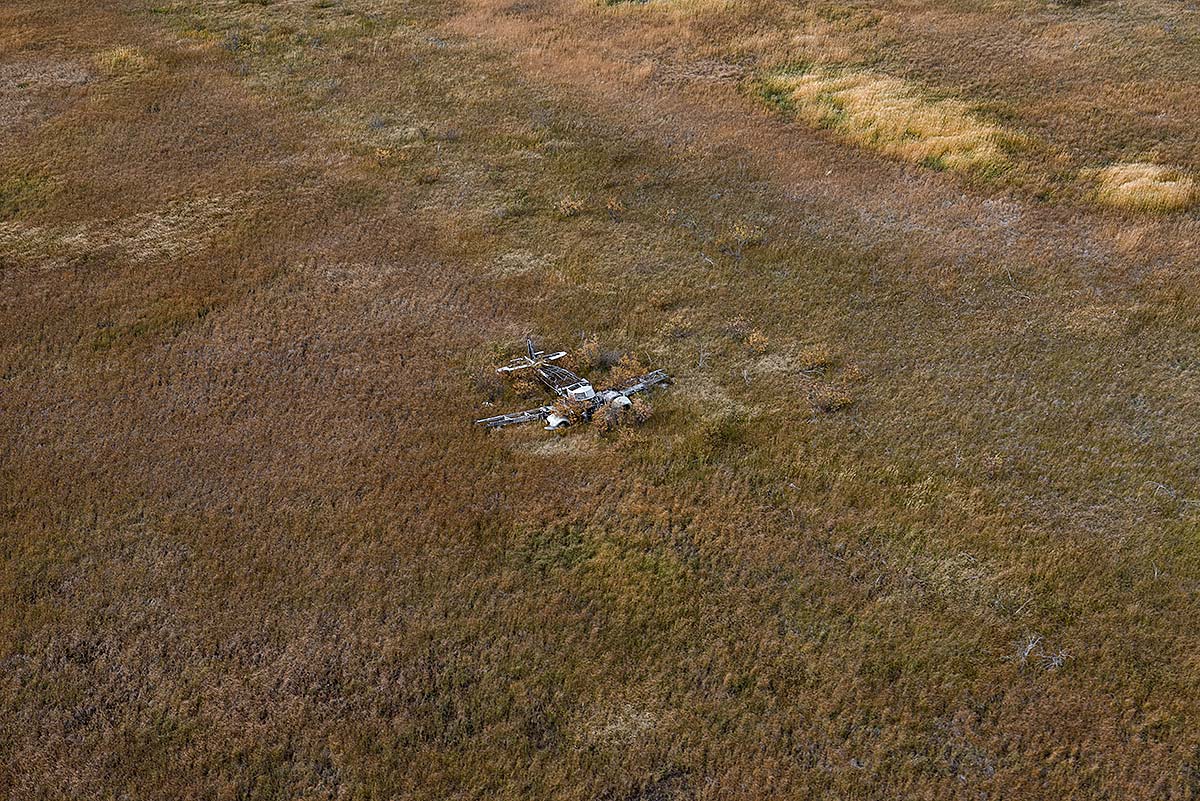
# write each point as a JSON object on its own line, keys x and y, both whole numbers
{"x": 555, "y": 421}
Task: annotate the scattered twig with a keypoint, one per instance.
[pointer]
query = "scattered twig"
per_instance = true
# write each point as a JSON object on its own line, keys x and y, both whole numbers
{"x": 1054, "y": 661}
{"x": 1030, "y": 644}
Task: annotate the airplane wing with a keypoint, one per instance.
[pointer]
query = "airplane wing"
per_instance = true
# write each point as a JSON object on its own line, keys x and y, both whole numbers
{"x": 643, "y": 383}
{"x": 527, "y": 416}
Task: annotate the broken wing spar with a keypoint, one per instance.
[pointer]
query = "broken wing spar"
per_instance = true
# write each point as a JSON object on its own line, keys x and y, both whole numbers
{"x": 566, "y": 384}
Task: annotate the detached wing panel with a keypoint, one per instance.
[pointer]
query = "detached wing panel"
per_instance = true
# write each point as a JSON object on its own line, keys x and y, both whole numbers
{"x": 646, "y": 382}
{"x": 527, "y": 416}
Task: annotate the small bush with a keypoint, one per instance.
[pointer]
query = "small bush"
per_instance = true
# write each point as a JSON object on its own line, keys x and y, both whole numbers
{"x": 615, "y": 209}
{"x": 574, "y": 411}
{"x": 385, "y": 156}
{"x": 641, "y": 410}
{"x": 678, "y": 325}
{"x": 487, "y": 382}
{"x": 757, "y": 341}
{"x": 590, "y": 356}
{"x": 993, "y": 465}
{"x": 739, "y": 327}
{"x": 827, "y": 397}
{"x": 626, "y": 370}
{"x": 610, "y": 417}
{"x": 568, "y": 207}
{"x": 606, "y": 419}
{"x": 430, "y": 175}
{"x": 525, "y": 388}
{"x": 588, "y": 353}
{"x": 815, "y": 358}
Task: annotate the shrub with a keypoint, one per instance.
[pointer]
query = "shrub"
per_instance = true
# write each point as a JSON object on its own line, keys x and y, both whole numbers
{"x": 611, "y": 417}
{"x": 574, "y": 411}
{"x": 739, "y": 327}
{"x": 429, "y": 175}
{"x": 487, "y": 382}
{"x": 590, "y": 356}
{"x": 606, "y": 419}
{"x": 525, "y": 388}
{"x": 678, "y": 325}
{"x": 757, "y": 341}
{"x": 827, "y": 397}
{"x": 641, "y": 410}
{"x": 815, "y": 358}
{"x": 615, "y": 209}
{"x": 629, "y": 368}
{"x": 588, "y": 353}
{"x": 568, "y": 207}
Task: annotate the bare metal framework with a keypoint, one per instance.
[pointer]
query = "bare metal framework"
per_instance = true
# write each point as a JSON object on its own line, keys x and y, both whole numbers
{"x": 566, "y": 384}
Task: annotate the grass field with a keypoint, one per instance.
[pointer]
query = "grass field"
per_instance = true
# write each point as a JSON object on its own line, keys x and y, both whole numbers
{"x": 918, "y": 518}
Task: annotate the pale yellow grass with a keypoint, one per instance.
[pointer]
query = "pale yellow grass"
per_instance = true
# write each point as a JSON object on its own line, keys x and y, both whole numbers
{"x": 122, "y": 62}
{"x": 179, "y": 227}
{"x": 1145, "y": 186}
{"x": 890, "y": 115}
{"x": 680, "y": 8}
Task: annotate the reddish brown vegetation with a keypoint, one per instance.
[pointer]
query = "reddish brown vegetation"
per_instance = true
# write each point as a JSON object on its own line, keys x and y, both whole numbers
{"x": 257, "y": 260}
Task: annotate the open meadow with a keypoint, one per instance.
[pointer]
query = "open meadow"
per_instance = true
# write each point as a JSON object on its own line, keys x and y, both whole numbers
{"x": 918, "y": 518}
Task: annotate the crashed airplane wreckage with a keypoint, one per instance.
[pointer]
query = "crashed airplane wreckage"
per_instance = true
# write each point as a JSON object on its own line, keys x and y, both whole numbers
{"x": 565, "y": 384}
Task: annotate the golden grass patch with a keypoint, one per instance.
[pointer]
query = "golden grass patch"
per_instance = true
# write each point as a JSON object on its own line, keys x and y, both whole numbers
{"x": 180, "y": 226}
{"x": 1144, "y": 186}
{"x": 679, "y": 8}
{"x": 1096, "y": 319}
{"x": 519, "y": 262}
{"x": 825, "y": 396}
{"x": 622, "y": 722}
{"x": 122, "y": 62}
{"x": 890, "y": 115}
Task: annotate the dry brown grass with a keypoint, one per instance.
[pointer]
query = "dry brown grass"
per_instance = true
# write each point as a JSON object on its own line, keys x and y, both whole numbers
{"x": 671, "y": 9}
{"x": 252, "y": 547}
{"x": 1142, "y": 186}
{"x": 27, "y": 83}
{"x": 1059, "y": 89}
{"x": 180, "y": 226}
{"x": 825, "y": 396}
{"x": 123, "y": 62}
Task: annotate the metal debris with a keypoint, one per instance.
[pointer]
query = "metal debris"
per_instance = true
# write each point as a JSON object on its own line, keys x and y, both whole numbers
{"x": 566, "y": 384}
